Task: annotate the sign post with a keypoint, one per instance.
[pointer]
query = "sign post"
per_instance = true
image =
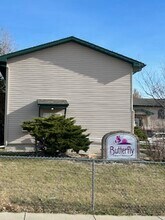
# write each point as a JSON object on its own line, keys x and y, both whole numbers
{"x": 120, "y": 145}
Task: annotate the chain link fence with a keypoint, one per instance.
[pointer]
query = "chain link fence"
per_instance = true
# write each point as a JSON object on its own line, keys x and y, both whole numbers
{"x": 67, "y": 185}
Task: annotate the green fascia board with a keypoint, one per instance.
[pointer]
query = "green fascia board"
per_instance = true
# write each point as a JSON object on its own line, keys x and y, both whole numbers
{"x": 53, "y": 106}
{"x": 50, "y": 102}
{"x": 137, "y": 65}
{"x": 46, "y": 106}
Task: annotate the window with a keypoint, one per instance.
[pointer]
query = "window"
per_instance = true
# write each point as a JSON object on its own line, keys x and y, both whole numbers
{"x": 139, "y": 121}
{"x": 161, "y": 113}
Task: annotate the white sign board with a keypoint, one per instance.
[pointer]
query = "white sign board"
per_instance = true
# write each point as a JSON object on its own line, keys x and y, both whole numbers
{"x": 120, "y": 146}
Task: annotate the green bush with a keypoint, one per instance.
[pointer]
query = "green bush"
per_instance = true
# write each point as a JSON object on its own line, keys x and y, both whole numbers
{"x": 140, "y": 134}
{"x": 55, "y": 135}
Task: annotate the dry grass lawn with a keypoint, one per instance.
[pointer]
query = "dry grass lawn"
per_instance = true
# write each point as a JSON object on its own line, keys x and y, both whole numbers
{"x": 40, "y": 185}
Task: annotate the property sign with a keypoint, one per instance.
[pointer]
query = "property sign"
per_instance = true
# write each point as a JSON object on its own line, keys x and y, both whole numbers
{"x": 119, "y": 146}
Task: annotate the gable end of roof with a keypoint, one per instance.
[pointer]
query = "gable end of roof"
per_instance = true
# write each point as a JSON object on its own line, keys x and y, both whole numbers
{"x": 137, "y": 65}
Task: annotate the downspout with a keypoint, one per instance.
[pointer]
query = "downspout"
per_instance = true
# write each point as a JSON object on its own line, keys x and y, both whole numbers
{"x": 131, "y": 104}
{"x": 6, "y": 107}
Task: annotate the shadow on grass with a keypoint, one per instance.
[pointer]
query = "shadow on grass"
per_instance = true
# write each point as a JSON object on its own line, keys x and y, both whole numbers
{"x": 126, "y": 208}
{"x": 49, "y": 205}
{"x": 53, "y": 205}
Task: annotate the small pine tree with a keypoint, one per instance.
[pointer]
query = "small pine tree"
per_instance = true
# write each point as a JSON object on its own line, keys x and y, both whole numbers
{"x": 56, "y": 134}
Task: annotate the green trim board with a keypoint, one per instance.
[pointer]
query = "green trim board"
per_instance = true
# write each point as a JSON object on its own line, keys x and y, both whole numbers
{"x": 46, "y": 103}
{"x": 137, "y": 65}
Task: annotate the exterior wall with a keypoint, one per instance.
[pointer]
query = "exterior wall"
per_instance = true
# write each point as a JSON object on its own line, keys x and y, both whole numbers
{"x": 96, "y": 86}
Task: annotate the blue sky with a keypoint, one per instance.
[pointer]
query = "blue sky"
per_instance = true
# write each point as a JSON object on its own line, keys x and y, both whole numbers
{"x": 135, "y": 28}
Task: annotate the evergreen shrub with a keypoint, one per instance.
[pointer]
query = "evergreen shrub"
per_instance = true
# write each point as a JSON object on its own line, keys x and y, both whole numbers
{"x": 54, "y": 135}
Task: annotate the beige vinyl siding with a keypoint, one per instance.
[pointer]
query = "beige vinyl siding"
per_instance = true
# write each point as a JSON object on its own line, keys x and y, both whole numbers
{"x": 96, "y": 86}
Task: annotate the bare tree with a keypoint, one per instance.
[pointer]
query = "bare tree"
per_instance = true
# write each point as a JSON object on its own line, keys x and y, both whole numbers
{"x": 153, "y": 84}
{"x": 6, "y": 46}
{"x": 6, "y": 42}
{"x": 136, "y": 94}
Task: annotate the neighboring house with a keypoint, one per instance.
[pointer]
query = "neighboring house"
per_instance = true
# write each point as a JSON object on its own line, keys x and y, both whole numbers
{"x": 68, "y": 77}
{"x": 149, "y": 114}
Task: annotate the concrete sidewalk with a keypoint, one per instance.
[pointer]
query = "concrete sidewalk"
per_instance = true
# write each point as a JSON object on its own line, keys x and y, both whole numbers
{"x": 43, "y": 216}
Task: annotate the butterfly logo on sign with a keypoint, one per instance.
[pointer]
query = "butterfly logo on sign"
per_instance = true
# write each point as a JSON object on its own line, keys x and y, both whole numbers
{"x": 121, "y": 147}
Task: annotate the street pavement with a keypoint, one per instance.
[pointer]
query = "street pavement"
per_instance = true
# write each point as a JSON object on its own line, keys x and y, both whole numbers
{"x": 44, "y": 216}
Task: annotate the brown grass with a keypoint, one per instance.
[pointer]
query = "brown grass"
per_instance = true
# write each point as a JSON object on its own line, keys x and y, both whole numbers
{"x": 39, "y": 185}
